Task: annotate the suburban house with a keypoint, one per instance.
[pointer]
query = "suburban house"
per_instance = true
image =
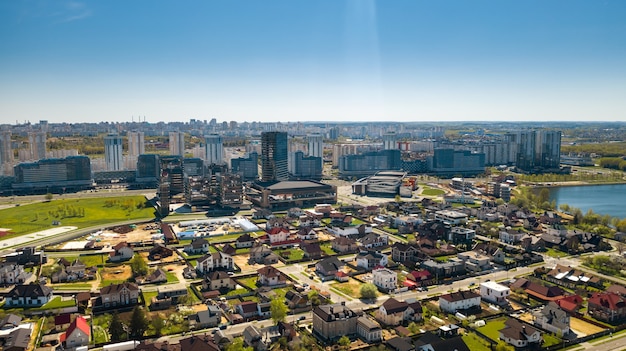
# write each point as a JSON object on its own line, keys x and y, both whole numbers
{"x": 262, "y": 254}
{"x": 451, "y": 217}
{"x": 385, "y": 279}
{"x": 156, "y": 277}
{"x": 217, "y": 280}
{"x": 247, "y": 309}
{"x": 608, "y": 307}
{"x": 159, "y": 251}
{"x": 193, "y": 343}
{"x": 278, "y": 235}
{"x": 511, "y": 236}
{"x": 370, "y": 259}
{"x": 368, "y": 330}
{"x": 276, "y": 222}
{"x": 296, "y": 300}
{"x": 255, "y": 339}
{"x": 214, "y": 261}
{"x": 401, "y": 252}
{"x": 460, "y": 300}
{"x": 539, "y": 291}
{"x": 492, "y": 250}
{"x": 420, "y": 278}
{"x": 116, "y": 295}
{"x": 121, "y": 252}
{"x": 13, "y": 273}
{"x": 494, "y": 292}
{"x": 308, "y": 220}
{"x": 394, "y": 312}
{"x": 344, "y": 244}
{"x": 451, "y": 268}
{"x": 331, "y": 322}
{"x": 372, "y": 240}
{"x": 209, "y": 318}
{"x": 520, "y": 334}
{"x": 570, "y": 303}
{"x": 553, "y": 319}
{"x": 349, "y": 230}
{"x": 306, "y": 233}
{"x": 30, "y": 295}
{"x": 570, "y": 277}
{"x": 197, "y": 246}
{"x": 17, "y": 340}
{"x": 312, "y": 250}
{"x": 271, "y": 276}
{"x": 78, "y": 334}
{"x": 329, "y": 266}
{"x": 460, "y": 235}
{"x": 244, "y": 240}
{"x": 475, "y": 261}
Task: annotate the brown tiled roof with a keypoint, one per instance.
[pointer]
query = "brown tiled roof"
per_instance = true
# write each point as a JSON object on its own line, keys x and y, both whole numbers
{"x": 459, "y": 296}
{"x": 116, "y": 288}
{"x": 394, "y": 306}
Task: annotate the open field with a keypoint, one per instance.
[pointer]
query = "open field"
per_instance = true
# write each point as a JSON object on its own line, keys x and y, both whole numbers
{"x": 73, "y": 212}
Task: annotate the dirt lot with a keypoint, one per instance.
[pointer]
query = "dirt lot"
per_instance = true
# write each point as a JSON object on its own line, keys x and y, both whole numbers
{"x": 121, "y": 272}
{"x": 583, "y": 328}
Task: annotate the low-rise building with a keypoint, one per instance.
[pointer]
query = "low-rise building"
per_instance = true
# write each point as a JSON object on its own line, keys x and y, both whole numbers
{"x": 394, "y": 312}
{"x": 460, "y": 300}
{"x": 214, "y": 261}
{"x": 116, "y": 295}
{"x": 331, "y": 322}
{"x": 553, "y": 319}
{"x": 78, "y": 334}
{"x": 494, "y": 292}
{"x": 271, "y": 276}
{"x": 29, "y": 295}
{"x": 368, "y": 330}
{"x": 608, "y": 307}
{"x": 370, "y": 259}
{"x": 385, "y": 279}
{"x": 520, "y": 334}
{"x": 121, "y": 252}
{"x": 197, "y": 246}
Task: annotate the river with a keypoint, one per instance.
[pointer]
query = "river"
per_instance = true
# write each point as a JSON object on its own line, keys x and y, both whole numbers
{"x": 602, "y": 199}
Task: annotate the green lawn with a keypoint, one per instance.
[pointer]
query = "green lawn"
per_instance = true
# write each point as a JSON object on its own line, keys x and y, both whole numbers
{"x": 243, "y": 250}
{"x": 432, "y": 192}
{"x": 237, "y": 292}
{"x": 93, "y": 260}
{"x": 492, "y": 328}
{"x": 171, "y": 277}
{"x": 294, "y": 254}
{"x": 81, "y": 213}
{"x": 72, "y": 286}
{"x": 148, "y": 295}
{"x": 100, "y": 326}
{"x": 249, "y": 282}
{"x": 476, "y": 343}
{"x": 58, "y": 303}
{"x": 549, "y": 340}
{"x": 327, "y": 248}
{"x": 555, "y": 253}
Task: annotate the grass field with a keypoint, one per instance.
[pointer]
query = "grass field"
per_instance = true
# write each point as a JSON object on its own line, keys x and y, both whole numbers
{"x": 81, "y": 213}
{"x": 492, "y": 328}
{"x": 476, "y": 343}
{"x": 432, "y": 192}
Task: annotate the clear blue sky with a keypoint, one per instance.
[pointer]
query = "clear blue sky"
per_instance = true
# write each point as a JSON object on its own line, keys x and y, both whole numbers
{"x": 359, "y": 60}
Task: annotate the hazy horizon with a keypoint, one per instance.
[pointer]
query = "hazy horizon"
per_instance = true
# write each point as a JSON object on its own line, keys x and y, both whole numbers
{"x": 353, "y": 61}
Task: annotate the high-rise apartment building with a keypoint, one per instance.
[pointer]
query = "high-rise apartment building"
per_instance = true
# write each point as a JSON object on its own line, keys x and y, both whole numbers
{"x": 37, "y": 143}
{"x": 177, "y": 143}
{"x": 316, "y": 145}
{"x": 136, "y": 144}
{"x": 6, "y": 151}
{"x": 390, "y": 141}
{"x": 537, "y": 150}
{"x": 214, "y": 149}
{"x": 113, "y": 152}
{"x": 274, "y": 156}
{"x": 248, "y": 167}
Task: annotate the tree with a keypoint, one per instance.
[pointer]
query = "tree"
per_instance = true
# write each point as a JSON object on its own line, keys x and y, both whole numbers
{"x": 278, "y": 309}
{"x": 368, "y": 291}
{"x": 314, "y": 298}
{"x": 237, "y": 345}
{"x": 138, "y": 265}
{"x": 344, "y": 341}
{"x": 413, "y": 328}
{"x": 158, "y": 323}
{"x": 116, "y": 328}
{"x": 138, "y": 322}
{"x": 49, "y": 197}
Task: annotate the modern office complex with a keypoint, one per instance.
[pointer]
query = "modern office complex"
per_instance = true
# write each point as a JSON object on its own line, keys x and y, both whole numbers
{"x": 136, "y": 144}
{"x": 380, "y": 184}
{"x": 177, "y": 143}
{"x": 37, "y": 143}
{"x": 369, "y": 163}
{"x": 113, "y": 152}
{"x": 54, "y": 175}
{"x": 214, "y": 149}
{"x": 274, "y": 157}
{"x": 248, "y": 167}
{"x": 450, "y": 162}
{"x": 148, "y": 169}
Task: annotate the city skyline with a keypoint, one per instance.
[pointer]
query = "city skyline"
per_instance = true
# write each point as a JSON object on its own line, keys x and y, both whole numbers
{"x": 314, "y": 61}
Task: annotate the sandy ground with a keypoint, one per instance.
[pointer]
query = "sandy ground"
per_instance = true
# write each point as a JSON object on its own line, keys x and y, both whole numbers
{"x": 582, "y": 328}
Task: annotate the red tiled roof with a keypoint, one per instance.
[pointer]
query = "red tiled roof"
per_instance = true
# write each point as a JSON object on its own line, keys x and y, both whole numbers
{"x": 81, "y": 324}
{"x": 612, "y": 301}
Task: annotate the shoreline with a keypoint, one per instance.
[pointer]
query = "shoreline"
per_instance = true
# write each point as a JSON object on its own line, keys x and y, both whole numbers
{"x": 570, "y": 183}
